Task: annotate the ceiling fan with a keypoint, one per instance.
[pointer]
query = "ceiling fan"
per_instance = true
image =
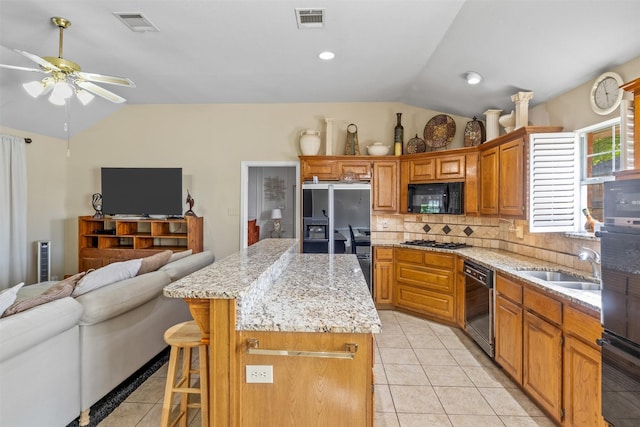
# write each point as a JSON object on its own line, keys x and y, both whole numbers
{"x": 64, "y": 76}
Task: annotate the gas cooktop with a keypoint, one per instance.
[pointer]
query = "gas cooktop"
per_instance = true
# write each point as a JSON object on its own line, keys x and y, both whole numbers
{"x": 434, "y": 244}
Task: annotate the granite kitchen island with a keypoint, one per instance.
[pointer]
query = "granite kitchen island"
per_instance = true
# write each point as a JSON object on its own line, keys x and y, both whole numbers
{"x": 308, "y": 316}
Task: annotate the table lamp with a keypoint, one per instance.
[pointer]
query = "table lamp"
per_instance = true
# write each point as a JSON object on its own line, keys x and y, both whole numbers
{"x": 276, "y": 216}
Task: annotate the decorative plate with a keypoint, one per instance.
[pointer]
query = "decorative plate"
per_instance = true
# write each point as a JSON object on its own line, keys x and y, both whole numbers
{"x": 439, "y": 131}
{"x": 474, "y": 133}
{"x": 416, "y": 145}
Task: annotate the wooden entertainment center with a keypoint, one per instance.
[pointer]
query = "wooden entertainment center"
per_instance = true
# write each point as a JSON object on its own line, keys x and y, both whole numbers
{"x": 102, "y": 241}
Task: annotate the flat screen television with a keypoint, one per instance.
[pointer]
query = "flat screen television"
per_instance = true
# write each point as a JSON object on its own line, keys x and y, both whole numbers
{"x": 142, "y": 191}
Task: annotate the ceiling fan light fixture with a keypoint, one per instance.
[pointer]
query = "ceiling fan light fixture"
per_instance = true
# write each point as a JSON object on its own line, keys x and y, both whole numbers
{"x": 61, "y": 92}
{"x": 473, "y": 78}
{"x": 84, "y": 97}
{"x": 37, "y": 87}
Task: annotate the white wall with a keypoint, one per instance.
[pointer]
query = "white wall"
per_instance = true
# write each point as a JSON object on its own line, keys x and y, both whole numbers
{"x": 572, "y": 109}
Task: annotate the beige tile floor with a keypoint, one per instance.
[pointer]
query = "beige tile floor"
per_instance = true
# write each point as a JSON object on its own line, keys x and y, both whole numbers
{"x": 427, "y": 375}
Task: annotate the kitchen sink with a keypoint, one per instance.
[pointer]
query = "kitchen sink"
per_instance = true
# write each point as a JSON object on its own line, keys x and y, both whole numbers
{"x": 559, "y": 278}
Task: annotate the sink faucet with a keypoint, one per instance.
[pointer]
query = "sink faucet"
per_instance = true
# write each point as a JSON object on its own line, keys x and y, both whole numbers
{"x": 593, "y": 257}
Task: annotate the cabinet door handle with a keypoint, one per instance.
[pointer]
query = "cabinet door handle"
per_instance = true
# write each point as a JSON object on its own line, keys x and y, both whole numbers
{"x": 349, "y": 353}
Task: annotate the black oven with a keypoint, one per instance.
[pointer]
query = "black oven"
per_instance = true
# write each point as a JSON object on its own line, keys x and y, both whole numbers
{"x": 620, "y": 248}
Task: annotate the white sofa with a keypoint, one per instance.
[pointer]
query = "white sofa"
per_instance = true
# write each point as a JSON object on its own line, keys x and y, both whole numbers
{"x": 58, "y": 359}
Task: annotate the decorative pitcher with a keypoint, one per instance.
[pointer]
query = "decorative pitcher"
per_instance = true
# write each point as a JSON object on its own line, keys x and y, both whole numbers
{"x": 310, "y": 142}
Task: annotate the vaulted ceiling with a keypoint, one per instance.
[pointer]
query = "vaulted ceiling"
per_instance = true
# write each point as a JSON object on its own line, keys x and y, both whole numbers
{"x": 218, "y": 51}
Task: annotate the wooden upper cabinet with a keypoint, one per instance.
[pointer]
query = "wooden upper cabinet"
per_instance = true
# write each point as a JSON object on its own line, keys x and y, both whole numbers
{"x": 325, "y": 169}
{"x": 436, "y": 167}
{"x": 450, "y": 168}
{"x": 422, "y": 169}
{"x": 503, "y": 172}
{"x": 488, "y": 187}
{"x": 511, "y": 190}
{"x": 361, "y": 168}
{"x": 385, "y": 186}
{"x": 471, "y": 184}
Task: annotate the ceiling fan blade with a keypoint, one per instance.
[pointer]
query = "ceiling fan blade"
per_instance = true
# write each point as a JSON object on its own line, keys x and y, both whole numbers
{"x": 97, "y": 90}
{"x": 15, "y": 67}
{"x": 35, "y": 58}
{"x": 100, "y": 78}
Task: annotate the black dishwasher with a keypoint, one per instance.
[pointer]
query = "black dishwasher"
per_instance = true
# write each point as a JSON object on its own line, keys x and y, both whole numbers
{"x": 478, "y": 304}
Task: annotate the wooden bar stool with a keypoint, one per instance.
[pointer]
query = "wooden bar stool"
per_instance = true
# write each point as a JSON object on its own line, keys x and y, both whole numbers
{"x": 182, "y": 338}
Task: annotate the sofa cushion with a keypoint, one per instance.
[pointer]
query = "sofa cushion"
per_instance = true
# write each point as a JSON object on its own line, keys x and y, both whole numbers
{"x": 178, "y": 269}
{"x": 107, "y": 275}
{"x": 62, "y": 289}
{"x": 117, "y": 298}
{"x": 8, "y": 296}
{"x": 154, "y": 262}
{"x": 179, "y": 255}
{"x": 30, "y": 328}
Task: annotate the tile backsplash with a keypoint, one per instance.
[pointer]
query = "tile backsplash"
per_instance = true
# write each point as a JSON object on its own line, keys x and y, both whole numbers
{"x": 494, "y": 233}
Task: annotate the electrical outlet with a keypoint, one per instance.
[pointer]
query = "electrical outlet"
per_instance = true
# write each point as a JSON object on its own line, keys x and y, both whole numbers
{"x": 259, "y": 374}
{"x": 519, "y": 232}
{"x": 385, "y": 224}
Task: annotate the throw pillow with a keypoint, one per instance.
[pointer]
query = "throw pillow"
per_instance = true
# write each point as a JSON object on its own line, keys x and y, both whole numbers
{"x": 107, "y": 275}
{"x": 62, "y": 289}
{"x": 154, "y": 262}
{"x": 8, "y": 296}
{"x": 179, "y": 255}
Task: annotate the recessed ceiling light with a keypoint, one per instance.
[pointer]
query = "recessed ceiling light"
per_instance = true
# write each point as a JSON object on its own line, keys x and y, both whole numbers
{"x": 326, "y": 55}
{"x": 473, "y": 78}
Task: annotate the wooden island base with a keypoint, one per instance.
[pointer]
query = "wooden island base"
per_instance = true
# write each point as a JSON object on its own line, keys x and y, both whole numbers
{"x": 307, "y": 390}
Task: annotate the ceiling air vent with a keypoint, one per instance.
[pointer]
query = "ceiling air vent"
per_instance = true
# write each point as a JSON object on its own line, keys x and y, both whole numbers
{"x": 310, "y": 18}
{"x": 136, "y": 22}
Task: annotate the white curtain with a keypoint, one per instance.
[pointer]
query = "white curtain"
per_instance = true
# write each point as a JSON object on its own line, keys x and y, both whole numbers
{"x": 13, "y": 211}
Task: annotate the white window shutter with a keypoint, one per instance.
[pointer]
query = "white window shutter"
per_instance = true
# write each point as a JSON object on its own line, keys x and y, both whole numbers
{"x": 627, "y": 132}
{"x": 554, "y": 186}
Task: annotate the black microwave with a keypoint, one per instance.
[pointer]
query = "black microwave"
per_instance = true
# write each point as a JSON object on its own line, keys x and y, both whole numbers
{"x": 436, "y": 198}
{"x": 622, "y": 203}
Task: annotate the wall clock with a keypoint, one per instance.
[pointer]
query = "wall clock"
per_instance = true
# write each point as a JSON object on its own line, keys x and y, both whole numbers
{"x": 606, "y": 93}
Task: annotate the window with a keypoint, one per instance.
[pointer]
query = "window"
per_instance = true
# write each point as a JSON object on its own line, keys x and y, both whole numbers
{"x": 601, "y": 156}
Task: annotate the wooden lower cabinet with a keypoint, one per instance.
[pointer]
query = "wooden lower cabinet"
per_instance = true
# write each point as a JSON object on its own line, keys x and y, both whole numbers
{"x": 383, "y": 276}
{"x": 542, "y": 363}
{"x": 508, "y": 337}
{"x": 582, "y": 370}
{"x": 425, "y": 283}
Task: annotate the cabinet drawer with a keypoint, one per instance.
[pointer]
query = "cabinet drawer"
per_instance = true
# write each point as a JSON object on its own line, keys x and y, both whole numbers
{"x": 543, "y": 305}
{"x": 384, "y": 254}
{"x": 409, "y": 255}
{"x": 440, "y": 305}
{"x": 439, "y": 260}
{"x": 425, "y": 277}
{"x": 509, "y": 289}
{"x": 582, "y": 325}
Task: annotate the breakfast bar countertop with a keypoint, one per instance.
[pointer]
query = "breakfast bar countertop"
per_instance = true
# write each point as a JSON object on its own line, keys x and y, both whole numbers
{"x": 278, "y": 289}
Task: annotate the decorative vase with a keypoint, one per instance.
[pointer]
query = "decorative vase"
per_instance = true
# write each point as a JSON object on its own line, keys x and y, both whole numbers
{"x": 398, "y": 136}
{"x": 310, "y": 142}
{"x": 493, "y": 128}
{"x": 508, "y": 121}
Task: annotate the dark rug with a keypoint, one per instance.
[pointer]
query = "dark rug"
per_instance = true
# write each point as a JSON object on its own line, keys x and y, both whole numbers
{"x": 102, "y": 408}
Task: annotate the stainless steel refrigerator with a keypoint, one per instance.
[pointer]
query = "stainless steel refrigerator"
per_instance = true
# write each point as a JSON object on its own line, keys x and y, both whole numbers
{"x": 336, "y": 219}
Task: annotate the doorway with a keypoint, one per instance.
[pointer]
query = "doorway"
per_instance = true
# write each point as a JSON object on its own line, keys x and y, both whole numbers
{"x": 269, "y": 190}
